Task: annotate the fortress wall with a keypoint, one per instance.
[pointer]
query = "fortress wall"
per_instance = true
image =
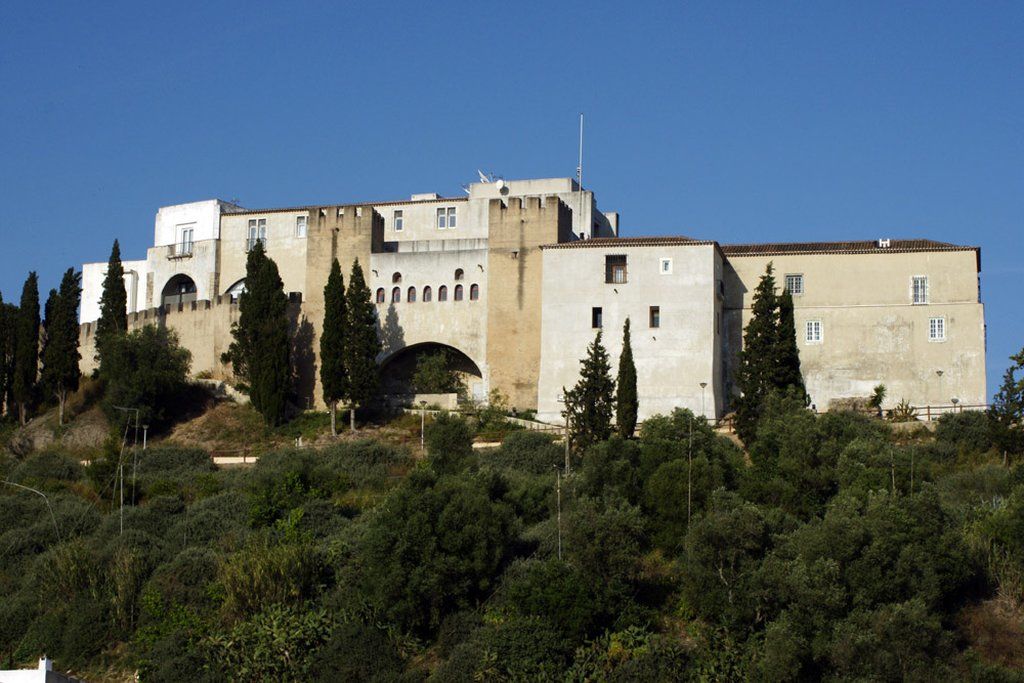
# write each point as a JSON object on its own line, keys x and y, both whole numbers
{"x": 514, "y": 270}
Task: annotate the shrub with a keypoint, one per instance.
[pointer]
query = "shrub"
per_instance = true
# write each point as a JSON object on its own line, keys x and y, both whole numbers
{"x": 47, "y": 469}
{"x": 449, "y": 444}
{"x": 528, "y": 451}
{"x": 967, "y": 432}
{"x": 265, "y": 573}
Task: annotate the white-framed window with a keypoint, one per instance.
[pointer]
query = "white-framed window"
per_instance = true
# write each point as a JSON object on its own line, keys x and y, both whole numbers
{"x": 814, "y": 332}
{"x": 301, "y": 222}
{"x": 186, "y": 237}
{"x": 795, "y": 283}
{"x": 919, "y": 289}
{"x": 257, "y": 231}
{"x": 937, "y": 329}
{"x": 446, "y": 218}
{"x": 399, "y": 220}
{"x": 665, "y": 266}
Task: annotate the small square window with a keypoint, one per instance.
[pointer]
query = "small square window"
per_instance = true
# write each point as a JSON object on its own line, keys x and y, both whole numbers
{"x": 813, "y": 332}
{"x": 596, "y": 317}
{"x": 795, "y": 284}
{"x": 654, "y": 316}
{"x": 442, "y": 219}
{"x": 451, "y": 217}
{"x": 300, "y": 226}
{"x": 936, "y": 329}
{"x": 665, "y": 267}
{"x": 919, "y": 289}
{"x": 399, "y": 221}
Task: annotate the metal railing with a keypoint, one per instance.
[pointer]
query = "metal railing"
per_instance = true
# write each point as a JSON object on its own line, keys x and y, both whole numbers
{"x": 180, "y": 250}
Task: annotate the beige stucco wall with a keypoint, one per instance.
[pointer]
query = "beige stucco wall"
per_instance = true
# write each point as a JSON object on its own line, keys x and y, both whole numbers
{"x": 671, "y": 360}
{"x": 287, "y": 250}
{"x": 872, "y": 331}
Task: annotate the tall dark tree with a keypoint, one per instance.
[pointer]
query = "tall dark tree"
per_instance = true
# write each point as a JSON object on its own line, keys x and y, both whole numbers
{"x": 589, "y": 404}
{"x": 756, "y": 373}
{"x": 8, "y": 327}
{"x": 1007, "y": 411}
{"x": 60, "y": 356}
{"x": 362, "y": 345}
{"x": 26, "y": 348}
{"x": 260, "y": 353}
{"x": 626, "y": 403}
{"x": 333, "y": 376}
{"x": 148, "y": 372}
{"x": 787, "y": 355}
{"x": 113, "y": 322}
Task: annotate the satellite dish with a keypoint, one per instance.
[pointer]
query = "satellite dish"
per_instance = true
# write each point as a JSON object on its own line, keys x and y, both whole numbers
{"x": 500, "y": 184}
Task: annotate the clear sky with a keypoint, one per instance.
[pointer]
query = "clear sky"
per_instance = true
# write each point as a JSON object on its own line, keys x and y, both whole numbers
{"x": 722, "y": 120}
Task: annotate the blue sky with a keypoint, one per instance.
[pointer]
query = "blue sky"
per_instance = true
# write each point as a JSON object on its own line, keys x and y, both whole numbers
{"x": 730, "y": 121}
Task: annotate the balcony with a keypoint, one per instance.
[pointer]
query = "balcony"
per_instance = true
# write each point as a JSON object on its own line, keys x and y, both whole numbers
{"x": 180, "y": 251}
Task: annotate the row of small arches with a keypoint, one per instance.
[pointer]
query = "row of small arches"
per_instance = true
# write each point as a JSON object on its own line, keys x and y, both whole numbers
{"x": 396, "y": 277}
{"x": 428, "y": 294}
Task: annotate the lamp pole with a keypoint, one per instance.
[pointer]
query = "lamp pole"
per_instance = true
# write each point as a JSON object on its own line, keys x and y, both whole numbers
{"x": 47, "y": 500}
{"x": 954, "y": 401}
{"x": 702, "y": 410}
{"x": 568, "y": 419}
{"x": 558, "y": 493}
{"x": 939, "y": 373}
{"x": 423, "y": 424}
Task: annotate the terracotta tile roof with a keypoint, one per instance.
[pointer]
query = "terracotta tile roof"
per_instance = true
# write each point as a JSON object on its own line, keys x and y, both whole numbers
{"x": 629, "y": 242}
{"x": 854, "y": 247}
{"x": 315, "y": 207}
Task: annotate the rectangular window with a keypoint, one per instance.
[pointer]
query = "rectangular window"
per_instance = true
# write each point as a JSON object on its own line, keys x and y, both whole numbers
{"x": 185, "y": 241}
{"x": 442, "y": 219}
{"x": 596, "y": 317}
{"x": 615, "y": 269}
{"x": 919, "y": 288}
{"x": 399, "y": 221}
{"x": 937, "y": 329}
{"x": 665, "y": 267}
{"x": 451, "y": 217}
{"x": 795, "y": 284}
{"x": 655, "y": 316}
{"x": 300, "y": 226}
{"x": 813, "y": 335}
{"x": 257, "y": 231}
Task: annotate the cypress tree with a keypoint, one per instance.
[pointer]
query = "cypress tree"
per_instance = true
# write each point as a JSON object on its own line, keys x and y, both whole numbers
{"x": 626, "y": 405}
{"x": 362, "y": 345}
{"x": 60, "y": 356}
{"x": 113, "y": 322}
{"x": 8, "y": 323}
{"x": 589, "y": 404}
{"x": 260, "y": 352}
{"x": 787, "y": 355}
{"x": 333, "y": 377}
{"x": 26, "y": 347}
{"x": 756, "y": 373}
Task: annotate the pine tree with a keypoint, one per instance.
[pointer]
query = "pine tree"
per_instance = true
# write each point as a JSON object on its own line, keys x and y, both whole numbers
{"x": 756, "y": 373}
{"x": 362, "y": 345}
{"x": 626, "y": 405}
{"x": 333, "y": 377}
{"x": 26, "y": 347}
{"x": 60, "y": 355}
{"x": 260, "y": 353}
{"x": 787, "y": 356}
{"x": 113, "y": 322}
{"x": 589, "y": 404}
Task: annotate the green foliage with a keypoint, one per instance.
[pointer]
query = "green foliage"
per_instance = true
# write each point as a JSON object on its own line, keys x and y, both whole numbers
{"x": 877, "y": 397}
{"x": 1007, "y": 409}
{"x": 8, "y": 337}
{"x": 434, "y": 375}
{"x": 589, "y": 404}
{"x": 362, "y": 345}
{"x": 903, "y": 412}
{"x": 626, "y": 405}
{"x": 968, "y": 432}
{"x": 148, "y": 371}
{"x": 26, "y": 348}
{"x": 787, "y": 354}
{"x": 333, "y": 375}
{"x": 259, "y": 353}
{"x": 449, "y": 444}
{"x": 269, "y": 573}
{"x": 113, "y": 321}
{"x": 60, "y": 355}
{"x": 527, "y": 451}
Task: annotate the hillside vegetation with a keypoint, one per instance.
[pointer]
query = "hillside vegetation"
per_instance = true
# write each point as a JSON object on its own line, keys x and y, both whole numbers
{"x": 833, "y": 549}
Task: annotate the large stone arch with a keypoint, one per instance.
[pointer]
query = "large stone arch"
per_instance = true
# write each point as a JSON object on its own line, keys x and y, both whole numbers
{"x": 180, "y": 289}
{"x": 397, "y": 368}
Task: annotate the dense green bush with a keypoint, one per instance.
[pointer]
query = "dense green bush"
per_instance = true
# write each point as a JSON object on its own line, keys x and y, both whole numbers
{"x": 972, "y": 431}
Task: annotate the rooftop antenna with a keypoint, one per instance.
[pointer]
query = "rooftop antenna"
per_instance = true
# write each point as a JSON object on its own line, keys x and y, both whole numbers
{"x": 484, "y": 177}
{"x": 579, "y": 177}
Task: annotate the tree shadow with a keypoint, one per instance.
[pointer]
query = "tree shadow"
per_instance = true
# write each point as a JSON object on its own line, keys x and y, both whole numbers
{"x": 303, "y": 362}
{"x": 392, "y": 336}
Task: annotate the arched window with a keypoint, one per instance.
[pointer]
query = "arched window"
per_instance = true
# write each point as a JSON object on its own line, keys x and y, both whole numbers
{"x": 235, "y": 290}
{"x": 458, "y": 292}
{"x": 380, "y": 295}
{"x": 474, "y": 292}
{"x": 459, "y": 274}
{"x": 180, "y": 289}
{"x": 396, "y": 278}
{"x": 396, "y": 295}
{"x": 410, "y": 296}
{"x": 442, "y": 293}
{"x": 427, "y": 294}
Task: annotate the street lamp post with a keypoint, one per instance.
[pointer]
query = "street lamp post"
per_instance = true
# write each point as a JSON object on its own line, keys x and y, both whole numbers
{"x": 955, "y": 401}
{"x": 703, "y": 412}
{"x": 568, "y": 418}
{"x": 423, "y": 424}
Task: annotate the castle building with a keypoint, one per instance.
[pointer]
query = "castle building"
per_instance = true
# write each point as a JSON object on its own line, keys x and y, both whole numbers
{"x": 514, "y": 280}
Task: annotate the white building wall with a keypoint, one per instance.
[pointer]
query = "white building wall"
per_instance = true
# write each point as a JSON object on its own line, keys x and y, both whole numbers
{"x": 93, "y": 274}
{"x": 671, "y": 360}
{"x": 203, "y": 217}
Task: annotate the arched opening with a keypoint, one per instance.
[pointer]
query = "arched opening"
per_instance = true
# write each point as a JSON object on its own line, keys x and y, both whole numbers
{"x": 442, "y": 293}
{"x": 430, "y": 368}
{"x": 396, "y": 295}
{"x": 180, "y": 289}
{"x": 380, "y": 295}
{"x": 396, "y": 278}
{"x": 458, "y": 292}
{"x": 410, "y": 295}
{"x": 235, "y": 290}
{"x": 428, "y": 294}
{"x": 474, "y": 292}
{"x": 459, "y": 274}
